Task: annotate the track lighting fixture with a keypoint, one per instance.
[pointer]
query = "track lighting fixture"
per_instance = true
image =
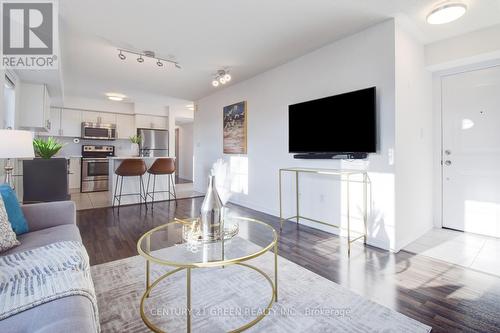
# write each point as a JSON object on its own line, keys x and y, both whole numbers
{"x": 221, "y": 77}
{"x": 147, "y": 54}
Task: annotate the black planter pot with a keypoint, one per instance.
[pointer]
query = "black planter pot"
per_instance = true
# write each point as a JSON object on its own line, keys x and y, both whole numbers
{"x": 45, "y": 180}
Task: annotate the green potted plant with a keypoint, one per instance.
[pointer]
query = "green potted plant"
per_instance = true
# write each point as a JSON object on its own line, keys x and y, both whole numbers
{"x": 45, "y": 178}
{"x": 134, "y": 148}
{"x": 46, "y": 148}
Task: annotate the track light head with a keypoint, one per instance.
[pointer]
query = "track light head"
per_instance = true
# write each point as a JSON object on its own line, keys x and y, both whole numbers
{"x": 222, "y": 76}
{"x": 140, "y": 59}
{"x": 122, "y": 56}
{"x": 159, "y": 63}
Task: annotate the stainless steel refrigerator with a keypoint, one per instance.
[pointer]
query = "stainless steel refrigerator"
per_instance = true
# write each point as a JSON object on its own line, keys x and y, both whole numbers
{"x": 154, "y": 142}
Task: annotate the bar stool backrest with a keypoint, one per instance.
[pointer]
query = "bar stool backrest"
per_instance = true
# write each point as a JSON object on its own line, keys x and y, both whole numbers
{"x": 163, "y": 166}
{"x": 131, "y": 167}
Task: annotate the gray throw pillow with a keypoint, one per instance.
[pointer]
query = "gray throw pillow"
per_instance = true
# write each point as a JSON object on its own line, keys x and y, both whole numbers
{"x": 7, "y": 235}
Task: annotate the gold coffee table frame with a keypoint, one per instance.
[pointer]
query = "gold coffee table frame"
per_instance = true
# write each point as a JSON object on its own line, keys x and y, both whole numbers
{"x": 221, "y": 263}
{"x": 345, "y": 176}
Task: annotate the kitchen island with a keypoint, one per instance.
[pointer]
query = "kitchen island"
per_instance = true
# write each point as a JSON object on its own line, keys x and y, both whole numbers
{"x": 131, "y": 184}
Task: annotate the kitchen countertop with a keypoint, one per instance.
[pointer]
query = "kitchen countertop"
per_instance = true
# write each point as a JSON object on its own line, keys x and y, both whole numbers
{"x": 134, "y": 157}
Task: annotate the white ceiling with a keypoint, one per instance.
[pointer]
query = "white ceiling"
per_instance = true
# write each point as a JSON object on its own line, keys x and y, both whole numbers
{"x": 249, "y": 36}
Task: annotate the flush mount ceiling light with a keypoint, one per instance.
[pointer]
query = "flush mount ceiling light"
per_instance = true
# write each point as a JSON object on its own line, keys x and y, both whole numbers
{"x": 148, "y": 54}
{"x": 115, "y": 96}
{"x": 446, "y": 12}
{"x": 221, "y": 77}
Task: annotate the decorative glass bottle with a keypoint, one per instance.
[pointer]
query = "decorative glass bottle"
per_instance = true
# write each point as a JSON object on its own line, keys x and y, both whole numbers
{"x": 211, "y": 213}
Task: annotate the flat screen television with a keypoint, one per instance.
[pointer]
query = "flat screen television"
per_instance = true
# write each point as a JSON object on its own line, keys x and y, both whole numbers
{"x": 339, "y": 124}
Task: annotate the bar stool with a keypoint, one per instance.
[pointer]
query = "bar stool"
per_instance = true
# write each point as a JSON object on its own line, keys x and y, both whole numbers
{"x": 130, "y": 168}
{"x": 162, "y": 166}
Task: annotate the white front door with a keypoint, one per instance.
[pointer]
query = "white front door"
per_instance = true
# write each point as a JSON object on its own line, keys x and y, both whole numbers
{"x": 471, "y": 151}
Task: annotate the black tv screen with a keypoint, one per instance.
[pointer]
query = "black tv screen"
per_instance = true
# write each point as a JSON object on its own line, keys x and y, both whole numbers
{"x": 344, "y": 123}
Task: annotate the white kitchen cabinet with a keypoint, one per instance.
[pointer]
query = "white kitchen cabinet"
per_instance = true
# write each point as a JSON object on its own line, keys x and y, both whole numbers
{"x": 55, "y": 123}
{"x": 107, "y": 117}
{"x": 71, "y": 123}
{"x": 99, "y": 117}
{"x": 142, "y": 121}
{"x": 125, "y": 126}
{"x": 74, "y": 173}
{"x": 90, "y": 116}
{"x": 34, "y": 107}
{"x": 63, "y": 122}
{"x": 160, "y": 122}
{"x": 147, "y": 121}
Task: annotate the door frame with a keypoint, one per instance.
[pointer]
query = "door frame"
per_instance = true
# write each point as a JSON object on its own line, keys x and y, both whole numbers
{"x": 177, "y": 159}
{"x": 437, "y": 82}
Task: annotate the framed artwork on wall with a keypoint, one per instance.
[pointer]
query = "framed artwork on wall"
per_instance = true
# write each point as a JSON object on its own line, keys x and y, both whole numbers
{"x": 235, "y": 128}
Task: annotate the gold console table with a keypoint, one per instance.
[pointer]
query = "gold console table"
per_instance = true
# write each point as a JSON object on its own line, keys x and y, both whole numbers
{"x": 343, "y": 176}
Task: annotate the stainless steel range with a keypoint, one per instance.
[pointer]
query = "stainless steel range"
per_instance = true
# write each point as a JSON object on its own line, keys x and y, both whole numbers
{"x": 95, "y": 167}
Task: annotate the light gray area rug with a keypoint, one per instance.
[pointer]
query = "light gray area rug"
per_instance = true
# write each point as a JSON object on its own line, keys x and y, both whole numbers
{"x": 227, "y": 298}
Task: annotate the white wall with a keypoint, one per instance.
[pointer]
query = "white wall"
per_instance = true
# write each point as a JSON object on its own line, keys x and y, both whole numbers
{"x": 471, "y": 48}
{"x": 185, "y": 151}
{"x": 363, "y": 60}
{"x": 414, "y": 140}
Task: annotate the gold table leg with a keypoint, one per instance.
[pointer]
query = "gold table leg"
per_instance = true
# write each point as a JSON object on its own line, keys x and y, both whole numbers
{"x": 188, "y": 305}
{"x": 147, "y": 274}
{"x": 297, "y": 195}
{"x": 281, "y": 211}
{"x": 365, "y": 204}
{"x": 348, "y": 220}
{"x": 276, "y": 271}
{"x": 148, "y": 248}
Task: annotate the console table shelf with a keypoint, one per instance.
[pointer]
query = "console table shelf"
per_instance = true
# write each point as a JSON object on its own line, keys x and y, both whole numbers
{"x": 346, "y": 176}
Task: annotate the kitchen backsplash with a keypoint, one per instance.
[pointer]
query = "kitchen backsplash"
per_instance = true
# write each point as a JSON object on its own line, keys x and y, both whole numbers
{"x": 123, "y": 147}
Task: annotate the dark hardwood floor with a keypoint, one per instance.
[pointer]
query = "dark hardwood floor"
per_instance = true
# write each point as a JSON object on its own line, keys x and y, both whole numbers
{"x": 179, "y": 180}
{"x": 447, "y": 297}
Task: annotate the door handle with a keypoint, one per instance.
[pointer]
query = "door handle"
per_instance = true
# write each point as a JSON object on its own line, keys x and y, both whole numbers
{"x": 447, "y": 162}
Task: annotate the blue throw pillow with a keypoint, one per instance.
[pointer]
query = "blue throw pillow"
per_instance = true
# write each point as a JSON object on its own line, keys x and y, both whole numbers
{"x": 14, "y": 211}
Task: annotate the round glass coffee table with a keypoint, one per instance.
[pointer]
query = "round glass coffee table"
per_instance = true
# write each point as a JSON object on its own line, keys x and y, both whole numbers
{"x": 167, "y": 245}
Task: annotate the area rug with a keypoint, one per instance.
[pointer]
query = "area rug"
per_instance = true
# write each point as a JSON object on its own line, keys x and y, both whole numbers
{"x": 224, "y": 299}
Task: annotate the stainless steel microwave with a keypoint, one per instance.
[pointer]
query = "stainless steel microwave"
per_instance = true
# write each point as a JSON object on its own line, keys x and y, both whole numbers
{"x": 98, "y": 131}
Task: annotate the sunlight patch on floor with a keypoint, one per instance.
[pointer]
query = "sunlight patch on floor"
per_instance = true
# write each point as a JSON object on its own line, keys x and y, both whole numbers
{"x": 460, "y": 248}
